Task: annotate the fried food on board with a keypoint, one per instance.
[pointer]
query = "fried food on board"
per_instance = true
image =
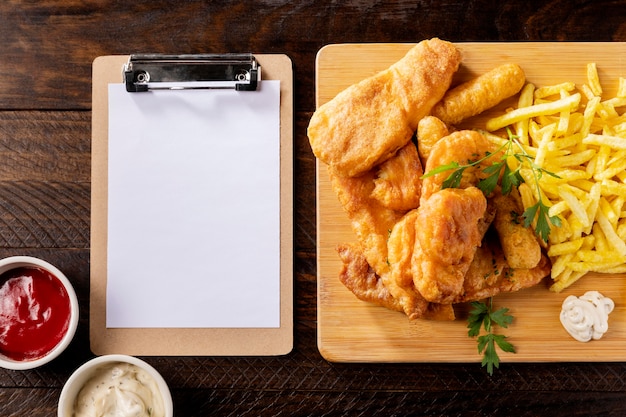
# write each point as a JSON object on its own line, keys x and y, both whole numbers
{"x": 397, "y": 184}
{"x": 377, "y": 200}
{"x": 479, "y": 94}
{"x": 490, "y": 272}
{"x": 369, "y": 121}
{"x": 460, "y": 146}
{"x": 421, "y": 247}
{"x": 429, "y": 131}
{"x": 359, "y": 277}
{"x": 366, "y": 285}
{"x": 579, "y": 136}
{"x": 446, "y": 241}
{"x": 519, "y": 243}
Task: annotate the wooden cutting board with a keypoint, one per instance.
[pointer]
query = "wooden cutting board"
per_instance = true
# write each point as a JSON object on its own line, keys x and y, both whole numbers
{"x": 350, "y": 330}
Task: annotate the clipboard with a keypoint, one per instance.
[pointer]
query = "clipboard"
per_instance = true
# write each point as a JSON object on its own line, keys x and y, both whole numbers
{"x": 188, "y": 341}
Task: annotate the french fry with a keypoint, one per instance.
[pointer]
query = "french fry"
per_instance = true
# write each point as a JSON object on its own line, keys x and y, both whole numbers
{"x": 514, "y": 116}
{"x": 580, "y": 137}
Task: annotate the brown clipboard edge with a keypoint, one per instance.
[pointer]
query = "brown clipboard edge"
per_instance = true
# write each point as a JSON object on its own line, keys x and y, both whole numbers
{"x": 186, "y": 341}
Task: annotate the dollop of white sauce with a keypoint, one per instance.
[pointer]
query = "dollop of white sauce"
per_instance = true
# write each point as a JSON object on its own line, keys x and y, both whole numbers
{"x": 586, "y": 317}
{"x": 120, "y": 390}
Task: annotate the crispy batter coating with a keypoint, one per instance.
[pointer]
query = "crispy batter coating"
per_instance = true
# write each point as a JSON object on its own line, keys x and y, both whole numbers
{"x": 370, "y": 220}
{"x": 399, "y": 280}
{"x": 421, "y": 247}
{"x": 462, "y": 147}
{"x": 429, "y": 131}
{"x": 490, "y": 274}
{"x": 378, "y": 199}
{"x": 398, "y": 181}
{"x": 369, "y": 121}
{"x": 479, "y": 94}
{"x": 446, "y": 241}
{"x": 357, "y": 275}
{"x": 519, "y": 243}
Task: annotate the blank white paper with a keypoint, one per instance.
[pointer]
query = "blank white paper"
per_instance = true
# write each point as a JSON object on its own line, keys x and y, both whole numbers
{"x": 194, "y": 208}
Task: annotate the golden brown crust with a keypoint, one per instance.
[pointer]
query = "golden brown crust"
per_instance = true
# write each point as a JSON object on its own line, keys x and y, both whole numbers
{"x": 369, "y": 121}
{"x": 358, "y": 276}
{"x": 519, "y": 243}
{"x": 479, "y": 94}
{"x": 429, "y": 131}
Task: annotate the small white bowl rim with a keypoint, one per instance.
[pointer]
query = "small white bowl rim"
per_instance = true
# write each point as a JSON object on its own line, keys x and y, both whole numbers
{"x": 80, "y": 376}
{"x": 13, "y": 262}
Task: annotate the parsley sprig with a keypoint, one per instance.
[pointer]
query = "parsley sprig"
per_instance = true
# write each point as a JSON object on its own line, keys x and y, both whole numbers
{"x": 499, "y": 172}
{"x": 482, "y": 316}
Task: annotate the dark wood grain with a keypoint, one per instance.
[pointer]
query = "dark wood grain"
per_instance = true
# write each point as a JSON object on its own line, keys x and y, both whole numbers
{"x": 46, "y": 53}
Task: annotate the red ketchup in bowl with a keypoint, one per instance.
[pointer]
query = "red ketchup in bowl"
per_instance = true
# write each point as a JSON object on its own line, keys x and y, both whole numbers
{"x": 34, "y": 313}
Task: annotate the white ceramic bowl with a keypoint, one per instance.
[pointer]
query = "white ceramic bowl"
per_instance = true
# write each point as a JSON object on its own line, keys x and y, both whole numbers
{"x": 80, "y": 377}
{"x": 14, "y": 262}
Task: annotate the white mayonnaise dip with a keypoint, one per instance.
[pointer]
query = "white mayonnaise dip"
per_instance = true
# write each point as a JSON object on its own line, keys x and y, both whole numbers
{"x": 586, "y": 317}
{"x": 119, "y": 390}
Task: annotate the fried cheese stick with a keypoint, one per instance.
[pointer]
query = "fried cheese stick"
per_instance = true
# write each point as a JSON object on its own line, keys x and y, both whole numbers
{"x": 368, "y": 122}
{"x": 479, "y": 94}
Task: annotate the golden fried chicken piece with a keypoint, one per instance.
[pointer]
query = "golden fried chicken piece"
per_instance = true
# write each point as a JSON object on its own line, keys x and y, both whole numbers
{"x": 461, "y": 147}
{"x": 398, "y": 183}
{"x": 429, "y": 131}
{"x": 357, "y": 275}
{"x": 479, "y": 94}
{"x": 369, "y": 121}
{"x": 447, "y": 236}
{"x": 370, "y": 201}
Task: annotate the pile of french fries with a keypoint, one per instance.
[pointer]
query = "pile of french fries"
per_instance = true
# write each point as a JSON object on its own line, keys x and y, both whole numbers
{"x": 580, "y": 137}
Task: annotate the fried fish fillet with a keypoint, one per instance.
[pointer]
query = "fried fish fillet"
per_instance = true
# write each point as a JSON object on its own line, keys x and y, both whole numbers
{"x": 490, "y": 273}
{"x": 369, "y": 121}
{"x": 479, "y": 94}
{"x": 375, "y": 201}
{"x": 358, "y": 276}
{"x": 398, "y": 183}
{"x": 429, "y": 131}
{"x": 519, "y": 243}
{"x": 399, "y": 280}
{"x": 447, "y": 237}
{"x": 462, "y": 146}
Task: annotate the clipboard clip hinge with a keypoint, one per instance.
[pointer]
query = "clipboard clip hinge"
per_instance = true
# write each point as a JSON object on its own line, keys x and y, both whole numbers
{"x": 145, "y": 72}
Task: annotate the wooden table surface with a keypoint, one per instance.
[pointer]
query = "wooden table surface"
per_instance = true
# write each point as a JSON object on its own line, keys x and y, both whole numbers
{"x": 46, "y": 51}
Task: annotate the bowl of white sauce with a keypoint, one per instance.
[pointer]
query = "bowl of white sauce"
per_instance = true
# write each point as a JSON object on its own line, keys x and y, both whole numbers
{"x": 115, "y": 385}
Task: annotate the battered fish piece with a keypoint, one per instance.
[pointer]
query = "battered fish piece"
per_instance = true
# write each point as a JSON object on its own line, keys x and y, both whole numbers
{"x": 447, "y": 237}
{"x": 377, "y": 200}
{"x": 398, "y": 181}
{"x": 479, "y": 94}
{"x": 399, "y": 281}
{"x": 401, "y": 245}
{"x": 369, "y": 219}
{"x": 519, "y": 243}
{"x": 490, "y": 274}
{"x": 369, "y": 121}
{"x": 429, "y": 131}
{"x": 357, "y": 275}
{"x": 462, "y": 147}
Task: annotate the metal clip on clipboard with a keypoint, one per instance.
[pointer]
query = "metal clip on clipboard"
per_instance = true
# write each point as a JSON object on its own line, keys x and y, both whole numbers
{"x": 144, "y": 72}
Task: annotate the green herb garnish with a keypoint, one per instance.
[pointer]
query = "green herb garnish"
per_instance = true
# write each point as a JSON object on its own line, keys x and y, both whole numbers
{"x": 482, "y": 315}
